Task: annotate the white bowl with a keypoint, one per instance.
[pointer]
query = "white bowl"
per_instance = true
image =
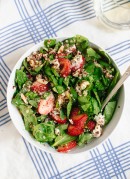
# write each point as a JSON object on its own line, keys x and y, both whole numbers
{"x": 19, "y": 124}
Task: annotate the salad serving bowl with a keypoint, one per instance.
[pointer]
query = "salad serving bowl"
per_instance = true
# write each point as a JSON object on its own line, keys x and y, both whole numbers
{"x": 19, "y": 124}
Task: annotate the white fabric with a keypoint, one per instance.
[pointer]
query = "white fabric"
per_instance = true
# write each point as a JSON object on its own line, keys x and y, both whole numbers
{"x": 14, "y": 156}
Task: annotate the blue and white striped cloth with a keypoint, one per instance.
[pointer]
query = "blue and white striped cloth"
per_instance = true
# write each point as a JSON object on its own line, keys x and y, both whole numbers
{"x": 24, "y": 23}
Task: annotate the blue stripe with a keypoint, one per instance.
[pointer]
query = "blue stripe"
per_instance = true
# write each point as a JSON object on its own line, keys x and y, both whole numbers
{"x": 120, "y": 167}
{"x": 4, "y": 119}
{"x": 4, "y": 115}
{"x": 30, "y": 22}
{"x": 32, "y": 158}
{"x": 41, "y": 162}
{"x": 36, "y": 160}
{"x": 3, "y": 106}
{"x": 124, "y": 62}
{"x": 20, "y": 46}
{"x": 5, "y": 122}
{"x": 14, "y": 32}
{"x": 118, "y": 44}
{"x": 16, "y": 42}
{"x": 7, "y": 72}
{"x": 123, "y": 57}
{"x": 61, "y": 8}
{"x": 54, "y": 165}
{"x": 5, "y": 65}
{"x": 115, "y": 49}
{"x": 73, "y": 20}
{"x": 35, "y": 11}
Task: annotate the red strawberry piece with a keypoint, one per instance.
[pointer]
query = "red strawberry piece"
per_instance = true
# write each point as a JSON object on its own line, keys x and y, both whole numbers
{"x": 65, "y": 67}
{"x": 39, "y": 87}
{"x": 67, "y": 147}
{"x": 45, "y": 106}
{"x": 74, "y": 130}
{"x": 57, "y": 118}
{"x": 91, "y": 125}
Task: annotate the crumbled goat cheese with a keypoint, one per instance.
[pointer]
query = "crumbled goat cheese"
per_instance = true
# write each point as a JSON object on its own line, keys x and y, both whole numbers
{"x": 71, "y": 121}
{"x": 24, "y": 98}
{"x": 76, "y": 73}
{"x": 76, "y": 61}
{"x": 97, "y": 131}
{"x": 61, "y": 49}
{"x": 108, "y": 75}
{"x": 42, "y": 81}
{"x": 57, "y": 131}
{"x": 70, "y": 49}
{"x": 62, "y": 98}
{"x": 56, "y": 64}
{"x": 39, "y": 76}
{"x": 84, "y": 85}
{"x": 100, "y": 119}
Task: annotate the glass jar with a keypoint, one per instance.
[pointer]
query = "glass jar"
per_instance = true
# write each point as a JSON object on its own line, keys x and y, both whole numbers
{"x": 115, "y": 13}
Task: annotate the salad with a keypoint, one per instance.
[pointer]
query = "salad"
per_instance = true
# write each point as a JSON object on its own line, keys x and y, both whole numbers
{"x": 60, "y": 89}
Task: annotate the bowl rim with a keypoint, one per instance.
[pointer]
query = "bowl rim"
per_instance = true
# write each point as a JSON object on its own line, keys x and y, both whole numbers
{"x": 33, "y": 141}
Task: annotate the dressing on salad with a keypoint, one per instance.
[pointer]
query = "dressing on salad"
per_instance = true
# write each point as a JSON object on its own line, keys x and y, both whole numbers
{"x": 60, "y": 89}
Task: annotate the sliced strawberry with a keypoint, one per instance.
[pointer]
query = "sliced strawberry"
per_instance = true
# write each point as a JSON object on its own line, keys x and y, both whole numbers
{"x": 77, "y": 63}
{"x": 91, "y": 125}
{"x": 39, "y": 87}
{"x": 58, "y": 119}
{"x": 74, "y": 130}
{"x": 74, "y": 112}
{"x": 80, "y": 120}
{"x": 65, "y": 67}
{"x": 66, "y": 147}
{"x": 45, "y": 106}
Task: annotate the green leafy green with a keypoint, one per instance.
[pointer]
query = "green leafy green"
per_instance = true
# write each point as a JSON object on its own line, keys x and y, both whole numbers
{"x": 74, "y": 93}
{"x": 63, "y": 139}
{"x": 92, "y": 53}
{"x": 62, "y": 115}
{"x": 44, "y": 132}
{"x": 17, "y": 101}
{"x": 30, "y": 119}
{"x": 114, "y": 81}
{"x": 84, "y": 138}
{"x": 109, "y": 110}
{"x": 21, "y": 78}
{"x": 96, "y": 108}
{"x": 69, "y": 106}
{"x": 50, "y": 43}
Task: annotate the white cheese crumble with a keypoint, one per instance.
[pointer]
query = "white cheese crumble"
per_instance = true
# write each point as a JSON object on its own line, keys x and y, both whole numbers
{"x": 70, "y": 49}
{"x": 100, "y": 119}
{"x": 57, "y": 131}
{"x": 55, "y": 63}
{"x": 24, "y": 98}
{"x": 61, "y": 49}
{"x": 97, "y": 131}
{"x": 42, "y": 81}
{"x": 76, "y": 61}
{"x": 84, "y": 84}
{"x": 71, "y": 121}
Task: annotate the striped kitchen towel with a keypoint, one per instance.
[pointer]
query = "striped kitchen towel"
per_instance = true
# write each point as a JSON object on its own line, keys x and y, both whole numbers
{"x": 24, "y": 23}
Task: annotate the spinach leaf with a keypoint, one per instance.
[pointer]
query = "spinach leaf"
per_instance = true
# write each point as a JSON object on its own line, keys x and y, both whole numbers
{"x": 17, "y": 101}
{"x": 74, "y": 93}
{"x": 21, "y": 78}
{"x": 114, "y": 81}
{"x": 92, "y": 53}
{"x": 31, "y": 95}
{"x": 81, "y": 42}
{"x": 34, "y": 102}
{"x": 62, "y": 128}
{"x": 97, "y": 97}
{"x": 69, "y": 106}
{"x": 84, "y": 138}
{"x": 41, "y": 118}
{"x": 44, "y": 132}
{"x": 62, "y": 115}
{"x": 50, "y": 43}
{"x": 109, "y": 110}
{"x": 63, "y": 139}
{"x": 30, "y": 119}
{"x": 96, "y": 108}
{"x": 58, "y": 89}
